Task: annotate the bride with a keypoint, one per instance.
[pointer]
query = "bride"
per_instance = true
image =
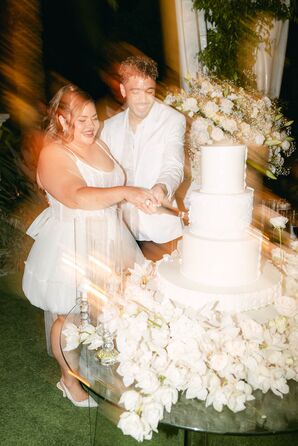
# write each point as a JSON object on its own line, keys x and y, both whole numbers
{"x": 81, "y": 179}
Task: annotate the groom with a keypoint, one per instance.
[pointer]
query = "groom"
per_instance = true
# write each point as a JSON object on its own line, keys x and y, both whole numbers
{"x": 147, "y": 141}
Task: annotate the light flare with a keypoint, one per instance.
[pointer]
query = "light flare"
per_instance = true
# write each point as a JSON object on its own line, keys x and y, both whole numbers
{"x": 100, "y": 264}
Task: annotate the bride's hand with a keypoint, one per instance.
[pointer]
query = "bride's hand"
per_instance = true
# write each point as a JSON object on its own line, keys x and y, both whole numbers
{"x": 142, "y": 199}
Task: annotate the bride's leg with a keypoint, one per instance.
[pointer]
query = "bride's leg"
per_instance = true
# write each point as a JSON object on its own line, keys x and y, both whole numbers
{"x": 70, "y": 381}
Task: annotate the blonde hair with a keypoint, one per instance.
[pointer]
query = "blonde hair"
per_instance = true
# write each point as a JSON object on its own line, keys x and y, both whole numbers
{"x": 141, "y": 66}
{"x": 68, "y": 102}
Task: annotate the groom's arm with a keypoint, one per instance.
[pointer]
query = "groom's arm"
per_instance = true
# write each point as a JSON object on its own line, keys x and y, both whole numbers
{"x": 171, "y": 172}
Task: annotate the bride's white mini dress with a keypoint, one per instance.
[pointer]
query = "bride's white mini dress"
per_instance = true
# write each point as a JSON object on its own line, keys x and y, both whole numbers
{"x": 50, "y": 278}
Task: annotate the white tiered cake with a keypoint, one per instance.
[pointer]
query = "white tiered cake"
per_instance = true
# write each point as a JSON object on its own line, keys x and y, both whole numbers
{"x": 221, "y": 253}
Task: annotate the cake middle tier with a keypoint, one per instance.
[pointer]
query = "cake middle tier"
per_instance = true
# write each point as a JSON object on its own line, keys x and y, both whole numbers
{"x": 224, "y": 263}
{"x": 225, "y": 216}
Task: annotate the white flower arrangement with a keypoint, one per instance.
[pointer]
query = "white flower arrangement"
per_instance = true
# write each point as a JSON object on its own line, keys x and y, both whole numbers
{"x": 221, "y": 111}
{"x": 166, "y": 349}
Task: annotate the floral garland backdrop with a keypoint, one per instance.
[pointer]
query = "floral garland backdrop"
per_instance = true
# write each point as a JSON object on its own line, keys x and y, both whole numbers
{"x": 222, "y": 112}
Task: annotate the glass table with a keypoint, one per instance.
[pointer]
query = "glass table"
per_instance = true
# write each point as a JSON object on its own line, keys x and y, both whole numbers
{"x": 267, "y": 414}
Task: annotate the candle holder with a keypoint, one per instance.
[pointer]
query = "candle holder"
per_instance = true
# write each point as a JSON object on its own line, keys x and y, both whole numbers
{"x": 107, "y": 354}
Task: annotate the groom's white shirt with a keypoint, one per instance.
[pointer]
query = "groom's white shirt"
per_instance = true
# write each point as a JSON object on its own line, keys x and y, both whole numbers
{"x": 153, "y": 154}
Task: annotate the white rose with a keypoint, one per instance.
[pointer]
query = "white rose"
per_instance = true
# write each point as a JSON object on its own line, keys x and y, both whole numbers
{"x": 184, "y": 327}
{"x": 169, "y": 99}
{"x": 160, "y": 361}
{"x": 259, "y": 139}
{"x": 235, "y": 347}
{"x": 72, "y": 336}
{"x": 217, "y": 398}
{"x": 229, "y": 125}
{"x": 159, "y": 336}
{"x": 131, "y": 400}
{"x": 251, "y": 330}
{"x": 145, "y": 355}
{"x": 250, "y": 362}
{"x": 219, "y": 361}
{"x": 291, "y": 286}
{"x": 128, "y": 370}
{"x": 200, "y": 124}
{"x": 280, "y": 387}
{"x": 281, "y": 324}
{"x": 199, "y": 366}
{"x": 245, "y": 128}
{"x": 242, "y": 386}
{"x": 147, "y": 380}
{"x": 226, "y": 106}
{"x": 285, "y": 145}
{"x": 166, "y": 308}
{"x": 127, "y": 346}
{"x": 217, "y": 134}
{"x": 239, "y": 394}
{"x": 109, "y": 312}
{"x": 202, "y": 137}
{"x": 176, "y": 350}
{"x": 139, "y": 324}
{"x": 190, "y": 104}
{"x": 274, "y": 357}
{"x": 276, "y": 135}
{"x": 152, "y": 413}
{"x": 167, "y": 396}
{"x": 286, "y": 306}
{"x": 176, "y": 376}
{"x": 95, "y": 341}
{"x": 206, "y": 87}
{"x": 213, "y": 381}
{"x": 279, "y": 222}
{"x": 131, "y": 308}
{"x": 293, "y": 338}
{"x": 210, "y": 108}
{"x": 216, "y": 93}
{"x": 131, "y": 424}
{"x": 196, "y": 389}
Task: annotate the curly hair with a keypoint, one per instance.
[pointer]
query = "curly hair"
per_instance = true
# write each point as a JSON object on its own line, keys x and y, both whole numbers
{"x": 138, "y": 66}
{"x": 68, "y": 102}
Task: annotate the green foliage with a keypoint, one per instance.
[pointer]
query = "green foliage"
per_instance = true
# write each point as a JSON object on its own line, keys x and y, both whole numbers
{"x": 114, "y": 4}
{"x": 229, "y": 20}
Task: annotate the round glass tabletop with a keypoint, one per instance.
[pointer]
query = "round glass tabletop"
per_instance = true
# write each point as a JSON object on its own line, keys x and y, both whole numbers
{"x": 266, "y": 414}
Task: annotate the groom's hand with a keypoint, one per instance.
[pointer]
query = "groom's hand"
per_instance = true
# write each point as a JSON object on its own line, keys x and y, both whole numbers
{"x": 160, "y": 192}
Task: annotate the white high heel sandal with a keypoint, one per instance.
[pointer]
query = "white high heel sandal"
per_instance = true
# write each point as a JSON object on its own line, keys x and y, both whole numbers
{"x": 88, "y": 402}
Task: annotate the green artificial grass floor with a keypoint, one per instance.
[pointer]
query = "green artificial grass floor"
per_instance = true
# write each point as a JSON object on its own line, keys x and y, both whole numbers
{"x": 32, "y": 410}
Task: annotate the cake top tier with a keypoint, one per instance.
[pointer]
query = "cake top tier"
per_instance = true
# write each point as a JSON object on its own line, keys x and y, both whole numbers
{"x": 223, "y": 169}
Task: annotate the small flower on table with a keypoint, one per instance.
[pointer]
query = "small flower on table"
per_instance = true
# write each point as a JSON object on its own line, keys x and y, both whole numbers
{"x": 279, "y": 223}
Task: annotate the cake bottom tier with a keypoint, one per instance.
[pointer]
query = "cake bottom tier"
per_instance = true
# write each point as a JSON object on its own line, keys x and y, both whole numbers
{"x": 222, "y": 263}
{"x": 178, "y": 288}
